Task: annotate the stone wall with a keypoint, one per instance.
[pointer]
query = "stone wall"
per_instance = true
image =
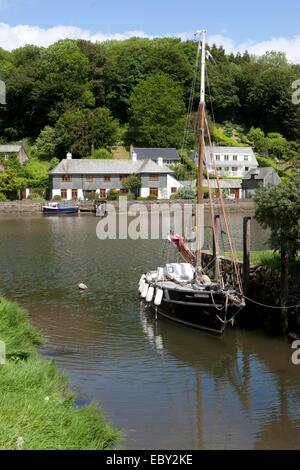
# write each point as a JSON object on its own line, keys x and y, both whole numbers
{"x": 20, "y": 207}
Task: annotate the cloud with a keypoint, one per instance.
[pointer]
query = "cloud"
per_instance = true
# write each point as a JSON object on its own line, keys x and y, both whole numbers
{"x": 291, "y": 46}
{"x": 12, "y": 37}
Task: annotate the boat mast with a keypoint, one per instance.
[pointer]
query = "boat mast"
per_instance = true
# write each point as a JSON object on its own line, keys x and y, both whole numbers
{"x": 201, "y": 152}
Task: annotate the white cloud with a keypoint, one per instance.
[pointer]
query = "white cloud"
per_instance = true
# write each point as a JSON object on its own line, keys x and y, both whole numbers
{"x": 12, "y": 37}
{"x": 291, "y": 46}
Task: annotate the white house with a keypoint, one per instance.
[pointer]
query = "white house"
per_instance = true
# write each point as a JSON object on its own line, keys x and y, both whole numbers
{"x": 234, "y": 162}
{"x": 76, "y": 179}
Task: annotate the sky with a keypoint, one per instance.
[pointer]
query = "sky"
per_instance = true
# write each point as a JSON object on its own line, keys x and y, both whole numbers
{"x": 257, "y": 26}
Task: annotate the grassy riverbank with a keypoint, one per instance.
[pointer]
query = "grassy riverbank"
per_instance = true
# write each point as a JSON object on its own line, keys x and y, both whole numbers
{"x": 36, "y": 409}
{"x": 270, "y": 259}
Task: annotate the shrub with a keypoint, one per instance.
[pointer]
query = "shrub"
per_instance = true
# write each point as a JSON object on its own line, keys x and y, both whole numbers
{"x": 113, "y": 195}
{"x": 186, "y": 193}
{"x": 57, "y": 199}
{"x": 152, "y": 198}
{"x": 2, "y": 197}
{"x": 131, "y": 197}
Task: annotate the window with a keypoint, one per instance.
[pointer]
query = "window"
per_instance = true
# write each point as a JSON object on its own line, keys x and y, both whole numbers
{"x": 226, "y": 168}
{"x": 154, "y": 178}
{"x": 226, "y": 158}
{"x": 124, "y": 191}
{"x": 102, "y": 192}
{"x": 75, "y": 194}
{"x": 246, "y": 158}
{"x": 64, "y": 194}
{"x": 235, "y": 158}
{"x": 66, "y": 179}
{"x": 234, "y": 169}
{"x": 173, "y": 190}
{"x": 89, "y": 179}
{"x": 218, "y": 158}
{"x": 107, "y": 179}
{"x": 246, "y": 168}
{"x": 123, "y": 178}
{"x": 154, "y": 192}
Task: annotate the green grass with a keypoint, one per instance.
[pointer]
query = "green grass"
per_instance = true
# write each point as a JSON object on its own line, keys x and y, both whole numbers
{"x": 35, "y": 403}
{"x": 269, "y": 258}
{"x": 224, "y": 139}
{"x": 120, "y": 153}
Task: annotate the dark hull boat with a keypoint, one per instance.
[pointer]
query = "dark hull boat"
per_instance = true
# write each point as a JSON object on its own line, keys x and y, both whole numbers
{"x": 173, "y": 292}
{"x": 190, "y": 293}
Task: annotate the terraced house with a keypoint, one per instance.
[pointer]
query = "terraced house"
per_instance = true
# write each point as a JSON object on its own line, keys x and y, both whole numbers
{"x": 76, "y": 179}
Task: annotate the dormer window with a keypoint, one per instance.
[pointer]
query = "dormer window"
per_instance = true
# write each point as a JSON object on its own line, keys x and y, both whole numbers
{"x": 235, "y": 158}
{"x": 226, "y": 158}
{"x": 246, "y": 158}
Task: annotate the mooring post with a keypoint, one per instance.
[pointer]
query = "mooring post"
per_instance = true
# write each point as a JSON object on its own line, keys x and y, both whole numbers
{"x": 216, "y": 248}
{"x": 246, "y": 253}
{"x": 284, "y": 289}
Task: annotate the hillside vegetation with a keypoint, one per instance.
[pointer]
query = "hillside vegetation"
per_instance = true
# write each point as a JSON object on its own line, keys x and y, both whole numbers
{"x": 91, "y": 98}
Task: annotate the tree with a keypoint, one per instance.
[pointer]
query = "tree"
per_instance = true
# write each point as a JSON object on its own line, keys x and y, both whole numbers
{"x": 278, "y": 209}
{"x": 81, "y": 129}
{"x": 157, "y": 113}
{"x": 133, "y": 184}
{"x": 46, "y": 145}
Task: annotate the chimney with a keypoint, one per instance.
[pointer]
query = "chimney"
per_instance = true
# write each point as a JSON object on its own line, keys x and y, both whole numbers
{"x": 160, "y": 161}
{"x": 133, "y": 154}
{"x": 69, "y": 156}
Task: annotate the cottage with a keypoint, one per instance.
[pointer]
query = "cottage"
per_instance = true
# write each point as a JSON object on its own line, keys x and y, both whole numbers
{"x": 165, "y": 156}
{"x": 6, "y": 151}
{"x": 260, "y": 176}
{"x": 231, "y": 187}
{"x": 234, "y": 162}
{"x": 76, "y": 179}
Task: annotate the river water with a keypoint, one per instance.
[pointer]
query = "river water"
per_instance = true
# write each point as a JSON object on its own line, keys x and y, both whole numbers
{"x": 164, "y": 386}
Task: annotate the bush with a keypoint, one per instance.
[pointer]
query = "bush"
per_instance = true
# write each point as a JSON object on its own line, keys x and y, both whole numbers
{"x": 113, "y": 195}
{"x": 152, "y": 198}
{"x": 92, "y": 196}
{"x": 130, "y": 196}
{"x": 57, "y": 199}
{"x": 101, "y": 154}
{"x": 2, "y": 197}
{"x": 186, "y": 193}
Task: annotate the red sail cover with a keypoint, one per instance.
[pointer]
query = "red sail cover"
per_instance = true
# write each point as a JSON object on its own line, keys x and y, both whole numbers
{"x": 179, "y": 242}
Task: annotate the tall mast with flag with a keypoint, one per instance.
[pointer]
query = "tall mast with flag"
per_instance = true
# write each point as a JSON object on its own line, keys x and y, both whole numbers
{"x": 201, "y": 154}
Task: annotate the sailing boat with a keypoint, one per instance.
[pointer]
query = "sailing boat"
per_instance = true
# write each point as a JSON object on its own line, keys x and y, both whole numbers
{"x": 183, "y": 292}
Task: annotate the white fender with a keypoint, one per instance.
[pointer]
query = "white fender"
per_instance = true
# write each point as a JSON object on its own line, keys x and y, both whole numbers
{"x": 158, "y": 297}
{"x": 150, "y": 294}
{"x": 141, "y": 286}
{"x": 145, "y": 290}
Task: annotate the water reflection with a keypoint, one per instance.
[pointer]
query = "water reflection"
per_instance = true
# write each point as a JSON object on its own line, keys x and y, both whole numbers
{"x": 240, "y": 399}
{"x": 164, "y": 385}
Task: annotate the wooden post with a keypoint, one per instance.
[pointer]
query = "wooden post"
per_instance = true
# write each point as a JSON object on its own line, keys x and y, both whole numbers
{"x": 246, "y": 253}
{"x": 216, "y": 249}
{"x": 284, "y": 289}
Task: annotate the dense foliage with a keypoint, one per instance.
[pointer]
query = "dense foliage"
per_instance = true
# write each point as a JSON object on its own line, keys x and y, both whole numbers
{"x": 88, "y": 98}
{"x": 278, "y": 209}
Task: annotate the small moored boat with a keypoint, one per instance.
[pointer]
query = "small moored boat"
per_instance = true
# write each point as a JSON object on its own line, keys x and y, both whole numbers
{"x": 60, "y": 208}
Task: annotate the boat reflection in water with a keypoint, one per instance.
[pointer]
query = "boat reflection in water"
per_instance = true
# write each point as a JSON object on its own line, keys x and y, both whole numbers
{"x": 241, "y": 398}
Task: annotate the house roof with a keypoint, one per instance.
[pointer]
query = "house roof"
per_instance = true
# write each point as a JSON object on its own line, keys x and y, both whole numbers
{"x": 109, "y": 167}
{"x": 150, "y": 153}
{"x": 10, "y": 148}
{"x": 259, "y": 173}
{"x": 218, "y": 150}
